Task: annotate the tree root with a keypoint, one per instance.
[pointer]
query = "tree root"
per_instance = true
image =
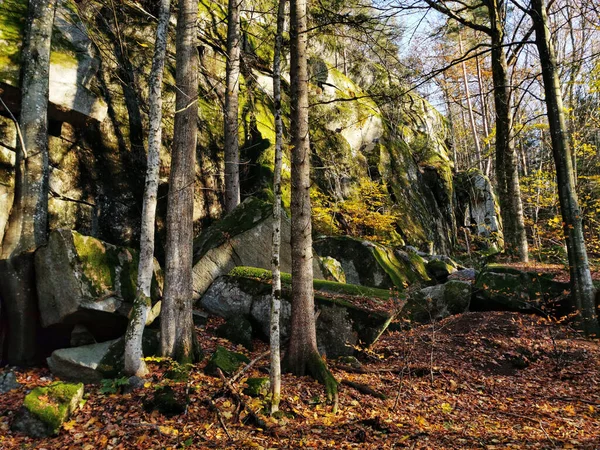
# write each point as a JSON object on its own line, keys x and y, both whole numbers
{"x": 317, "y": 368}
{"x": 365, "y": 389}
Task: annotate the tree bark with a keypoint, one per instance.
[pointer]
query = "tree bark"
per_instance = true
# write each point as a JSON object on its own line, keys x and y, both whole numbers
{"x": 302, "y": 356}
{"x": 470, "y": 107}
{"x": 134, "y": 365}
{"x": 507, "y": 173}
{"x": 582, "y": 288}
{"x": 27, "y": 227}
{"x": 176, "y": 315}
{"x": 231, "y": 132}
{"x": 276, "y": 291}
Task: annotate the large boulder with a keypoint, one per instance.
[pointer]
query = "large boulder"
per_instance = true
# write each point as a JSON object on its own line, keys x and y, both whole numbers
{"x": 82, "y": 280}
{"x": 438, "y": 302}
{"x": 348, "y": 314}
{"x": 92, "y": 363}
{"x": 242, "y": 238}
{"x": 508, "y": 289}
{"x": 477, "y": 208}
{"x": 368, "y": 263}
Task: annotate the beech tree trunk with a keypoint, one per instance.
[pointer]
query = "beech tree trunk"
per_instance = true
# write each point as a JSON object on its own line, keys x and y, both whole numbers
{"x": 507, "y": 173}
{"x": 302, "y": 356}
{"x": 582, "y": 288}
{"x": 134, "y": 364}
{"x": 232, "y": 74}
{"x": 27, "y": 227}
{"x": 176, "y": 315}
{"x": 276, "y": 291}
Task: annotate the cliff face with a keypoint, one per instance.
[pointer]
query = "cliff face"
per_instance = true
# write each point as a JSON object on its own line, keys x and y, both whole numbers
{"x": 99, "y": 113}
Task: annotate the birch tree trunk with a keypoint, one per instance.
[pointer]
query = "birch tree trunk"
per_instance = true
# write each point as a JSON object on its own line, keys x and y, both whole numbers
{"x": 276, "y": 292}
{"x": 232, "y": 74}
{"x": 27, "y": 227}
{"x": 134, "y": 364}
{"x": 582, "y": 288}
{"x": 470, "y": 107}
{"x": 302, "y": 356}
{"x": 176, "y": 314}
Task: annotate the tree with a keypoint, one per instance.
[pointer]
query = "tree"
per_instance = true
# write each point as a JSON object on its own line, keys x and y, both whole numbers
{"x": 507, "y": 175}
{"x": 134, "y": 365}
{"x": 276, "y": 291}
{"x": 176, "y": 312}
{"x": 27, "y": 227}
{"x": 582, "y": 288}
{"x": 232, "y": 74}
{"x": 302, "y": 356}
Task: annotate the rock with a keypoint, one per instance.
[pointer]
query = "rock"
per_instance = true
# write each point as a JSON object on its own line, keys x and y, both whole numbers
{"x": 237, "y": 330}
{"x": 333, "y": 269}
{"x": 8, "y": 382}
{"x": 225, "y": 360}
{"x": 438, "y": 302}
{"x": 367, "y": 263}
{"x": 242, "y": 238}
{"x": 500, "y": 288}
{"x": 166, "y": 402}
{"x": 200, "y": 318}
{"x": 440, "y": 268}
{"x": 477, "y": 208}
{"x": 464, "y": 275}
{"x": 350, "y": 361}
{"x": 92, "y": 363}
{"x": 257, "y": 387}
{"x": 81, "y": 336}
{"x": 82, "y": 280}
{"x": 134, "y": 383}
{"x": 47, "y": 408}
{"x": 348, "y": 315}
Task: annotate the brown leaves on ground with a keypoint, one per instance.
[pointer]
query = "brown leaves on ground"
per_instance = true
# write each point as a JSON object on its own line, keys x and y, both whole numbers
{"x": 474, "y": 381}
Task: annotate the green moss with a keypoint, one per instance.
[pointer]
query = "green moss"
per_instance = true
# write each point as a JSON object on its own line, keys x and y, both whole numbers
{"x": 257, "y": 387}
{"x": 228, "y": 362}
{"x": 325, "y": 286}
{"x": 318, "y": 369}
{"x": 98, "y": 262}
{"x": 250, "y": 212}
{"x": 53, "y": 404}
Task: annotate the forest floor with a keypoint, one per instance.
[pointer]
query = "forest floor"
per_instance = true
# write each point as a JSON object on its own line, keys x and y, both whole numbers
{"x": 491, "y": 380}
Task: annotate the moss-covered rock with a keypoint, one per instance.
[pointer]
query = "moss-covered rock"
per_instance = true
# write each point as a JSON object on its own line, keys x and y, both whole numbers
{"x": 349, "y": 315}
{"x": 228, "y": 362}
{"x": 238, "y": 330}
{"x": 242, "y": 238}
{"x": 54, "y": 404}
{"x": 257, "y": 387}
{"x": 333, "y": 269}
{"x": 441, "y": 268}
{"x": 508, "y": 289}
{"x": 166, "y": 401}
{"x": 82, "y": 280}
{"x": 437, "y": 302}
{"x": 370, "y": 264}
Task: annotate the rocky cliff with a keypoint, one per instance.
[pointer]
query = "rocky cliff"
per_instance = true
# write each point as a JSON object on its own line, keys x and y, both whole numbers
{"x": 98, "y": 85}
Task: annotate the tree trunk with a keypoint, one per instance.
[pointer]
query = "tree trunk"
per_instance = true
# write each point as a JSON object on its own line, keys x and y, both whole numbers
{"x": 507, "y": 173}
{"x": 27, "y": 227}
{"x": 276, "y": 292}
{"x": 176, "y": 315}
{"x": 134, "y": 365}
{"x": 302, "y": 356}
{"x": 582, "y": 288}
{"x": 470, "y": 108}
{"x": 231, "y": 132}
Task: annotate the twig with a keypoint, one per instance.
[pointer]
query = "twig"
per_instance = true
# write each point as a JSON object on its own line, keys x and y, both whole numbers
{"x": 220, "y": 417}
{"x": 247, "y": 367}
